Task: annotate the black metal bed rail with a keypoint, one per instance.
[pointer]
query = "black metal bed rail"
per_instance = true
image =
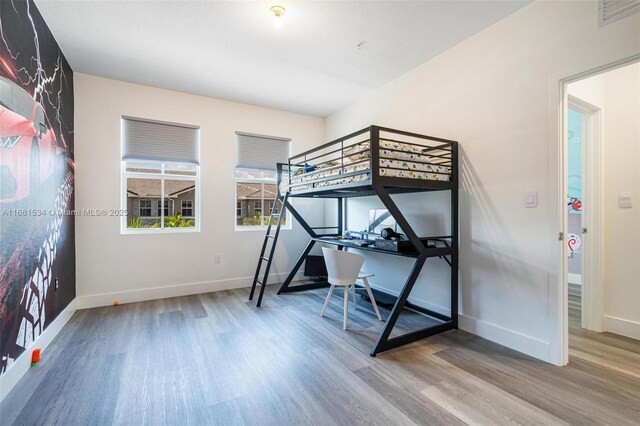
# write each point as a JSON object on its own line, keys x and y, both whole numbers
{"x": 336, "y": 167}
{"x": 330, "y": 178}
{"x": 328, "y": 144}
{"x": 370, "y": 144}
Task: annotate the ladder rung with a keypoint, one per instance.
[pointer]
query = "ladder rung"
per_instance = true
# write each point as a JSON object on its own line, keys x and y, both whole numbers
{"x": 276, "y": 214}
{"x": 259, "y": 282}
{"x": 265, "y": 258}
{"x": 271, "y": 236}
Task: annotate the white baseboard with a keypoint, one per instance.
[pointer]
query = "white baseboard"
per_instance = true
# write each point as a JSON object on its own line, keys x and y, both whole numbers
{"x": 622, "y": 326}
{"x": 503, "y": 336}
{"x": 512, "y": 339}
{"x": 154, "y": 293}
{"x": 575, "y": 279}
{"x": 416, "y": 301}
{"x": 20, "y": 366}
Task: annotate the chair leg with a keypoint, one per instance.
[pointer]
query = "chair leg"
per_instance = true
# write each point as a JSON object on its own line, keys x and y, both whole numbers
{"x": 326, "y": 302}
{"x": 355, "y": 302}
{"x": 373, "y": 301}
{"x": 346, "y": 307}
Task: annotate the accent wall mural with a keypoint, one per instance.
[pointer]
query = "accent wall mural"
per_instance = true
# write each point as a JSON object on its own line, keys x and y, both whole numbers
{"x": 37, "y": 251}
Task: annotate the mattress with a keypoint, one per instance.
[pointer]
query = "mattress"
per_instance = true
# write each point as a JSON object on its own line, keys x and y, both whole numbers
{"x": 395, "y": 161}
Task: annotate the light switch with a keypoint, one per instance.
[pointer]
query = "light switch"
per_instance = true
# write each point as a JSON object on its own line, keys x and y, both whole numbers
{"x": 624, "y": 200}
{"x": 531, "y": 199}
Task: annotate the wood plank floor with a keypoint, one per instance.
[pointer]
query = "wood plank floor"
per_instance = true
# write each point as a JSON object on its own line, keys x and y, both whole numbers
{"x": 216, "y": 359}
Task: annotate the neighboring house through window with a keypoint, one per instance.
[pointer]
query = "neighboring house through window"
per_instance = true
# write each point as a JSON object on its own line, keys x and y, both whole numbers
{"x": 160, "y": 173}
{"x": 256, "y": 186}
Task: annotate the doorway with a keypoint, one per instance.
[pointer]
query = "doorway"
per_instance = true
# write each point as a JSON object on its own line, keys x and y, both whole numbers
{"x": 601, "y": 218}
{"x": 584, "y": 166}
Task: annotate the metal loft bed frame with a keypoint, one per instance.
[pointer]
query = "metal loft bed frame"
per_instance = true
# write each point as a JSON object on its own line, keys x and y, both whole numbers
{"x": 371, "y": 145}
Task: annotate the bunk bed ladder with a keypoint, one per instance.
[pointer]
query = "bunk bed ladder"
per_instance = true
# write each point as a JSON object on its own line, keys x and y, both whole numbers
{"x": 257, "y": 279}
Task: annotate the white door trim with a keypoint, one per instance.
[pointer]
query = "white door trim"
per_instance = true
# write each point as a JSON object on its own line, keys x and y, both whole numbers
{"x": 558, "y": 282}
{"x": 591, "y": 212}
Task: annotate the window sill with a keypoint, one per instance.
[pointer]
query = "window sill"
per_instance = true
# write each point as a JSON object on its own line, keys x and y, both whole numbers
{"x": 258, "y": 228}
{"x": 141, "y": 231}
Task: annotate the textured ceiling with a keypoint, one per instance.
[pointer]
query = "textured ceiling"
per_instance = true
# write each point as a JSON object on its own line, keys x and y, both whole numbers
{"x": 232, "y": 50}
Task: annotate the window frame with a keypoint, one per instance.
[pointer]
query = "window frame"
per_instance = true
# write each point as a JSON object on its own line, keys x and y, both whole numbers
{"x": 163, "y": 175}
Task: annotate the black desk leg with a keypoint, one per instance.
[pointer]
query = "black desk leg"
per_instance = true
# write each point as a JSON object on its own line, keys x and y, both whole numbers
{"x": 380, "y": 344}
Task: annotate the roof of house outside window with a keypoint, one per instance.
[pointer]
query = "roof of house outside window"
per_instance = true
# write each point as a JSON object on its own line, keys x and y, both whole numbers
{"x": 151, "y": 187}
{"x": 252, "y": 191}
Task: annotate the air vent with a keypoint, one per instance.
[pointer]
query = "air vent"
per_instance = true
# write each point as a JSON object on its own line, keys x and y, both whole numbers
{"x": 612, "y": 10}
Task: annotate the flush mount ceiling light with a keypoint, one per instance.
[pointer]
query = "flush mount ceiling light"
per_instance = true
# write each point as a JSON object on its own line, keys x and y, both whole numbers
{"x": 278, "y": 13}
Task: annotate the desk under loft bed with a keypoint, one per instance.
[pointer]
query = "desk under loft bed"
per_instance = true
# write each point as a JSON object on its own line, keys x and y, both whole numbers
{"x": 374, "y": 161}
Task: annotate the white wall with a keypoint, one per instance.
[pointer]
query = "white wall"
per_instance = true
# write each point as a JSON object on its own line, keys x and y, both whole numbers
{"x": 498, "y": 94}
{"x": 617, "y": 93}
{"x": 139, "y": 267}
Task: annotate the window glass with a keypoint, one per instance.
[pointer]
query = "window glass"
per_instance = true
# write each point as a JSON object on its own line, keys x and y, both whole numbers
{"x": 177, "y": 192}
{"x": 254, "y": 203}
{"x": 143, "y": 197}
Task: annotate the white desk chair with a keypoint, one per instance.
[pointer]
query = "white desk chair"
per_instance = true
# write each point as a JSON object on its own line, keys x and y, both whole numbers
{"x": 343, "y": 269}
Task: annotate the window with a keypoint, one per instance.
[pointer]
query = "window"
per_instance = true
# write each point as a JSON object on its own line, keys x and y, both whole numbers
{"x": 160, "y": 172}
{"x": 187, "y": 208}
{"x": 167, "y": 212}
{"x": 144, "y": 209}
{"x": 256, "y": 186}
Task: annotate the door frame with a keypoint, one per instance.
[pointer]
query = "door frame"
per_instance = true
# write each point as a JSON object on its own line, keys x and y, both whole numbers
{"x": 591, "y": 286}
{"x": 558, "y": 296}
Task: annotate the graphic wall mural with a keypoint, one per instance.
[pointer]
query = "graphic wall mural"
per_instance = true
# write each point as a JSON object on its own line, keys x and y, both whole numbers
{"x": 37, "y": 251}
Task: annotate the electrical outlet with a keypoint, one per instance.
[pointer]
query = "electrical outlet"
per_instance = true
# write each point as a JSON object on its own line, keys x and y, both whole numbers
{"x": 56, "y": 284}
{"x": 218, "y": 258}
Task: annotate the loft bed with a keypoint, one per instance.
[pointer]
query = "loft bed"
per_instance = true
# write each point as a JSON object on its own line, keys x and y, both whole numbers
{"x": 353, "y": 165}
{"x": 375, "y": 161}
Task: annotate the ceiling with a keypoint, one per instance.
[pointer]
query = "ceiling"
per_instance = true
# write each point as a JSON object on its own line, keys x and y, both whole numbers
{"x": 232, "y": 50}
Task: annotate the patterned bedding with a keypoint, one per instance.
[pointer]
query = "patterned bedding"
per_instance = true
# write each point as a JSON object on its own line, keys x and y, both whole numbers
{"x": 393, "y": 156}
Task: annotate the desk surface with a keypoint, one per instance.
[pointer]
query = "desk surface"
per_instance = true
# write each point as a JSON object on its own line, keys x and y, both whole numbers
{"x": 432, "y": 249}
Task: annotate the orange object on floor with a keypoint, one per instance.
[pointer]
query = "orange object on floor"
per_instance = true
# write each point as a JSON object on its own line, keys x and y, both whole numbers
{"x": 116, "y": 303}
{"x": 35, "y": 357}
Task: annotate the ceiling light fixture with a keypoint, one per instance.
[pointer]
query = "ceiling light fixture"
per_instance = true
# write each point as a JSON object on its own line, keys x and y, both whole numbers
{"x": 278, "y": 13}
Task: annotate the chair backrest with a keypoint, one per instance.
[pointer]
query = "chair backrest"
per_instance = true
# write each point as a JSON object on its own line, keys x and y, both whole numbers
{"x": 342, "y": 267}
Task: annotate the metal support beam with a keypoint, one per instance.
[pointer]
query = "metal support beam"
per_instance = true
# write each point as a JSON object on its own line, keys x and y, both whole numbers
{"x": 285, "y": 285}
{"x": 383, "y": 338}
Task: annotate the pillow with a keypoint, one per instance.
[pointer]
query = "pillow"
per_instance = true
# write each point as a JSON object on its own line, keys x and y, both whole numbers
{"x": 357, "y": 152}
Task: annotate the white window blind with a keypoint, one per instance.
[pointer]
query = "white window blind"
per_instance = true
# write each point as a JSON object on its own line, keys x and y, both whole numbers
{"x": 261, "y": 152}
{"x": 159, "y": 141}
{"x": 612, "y": 10}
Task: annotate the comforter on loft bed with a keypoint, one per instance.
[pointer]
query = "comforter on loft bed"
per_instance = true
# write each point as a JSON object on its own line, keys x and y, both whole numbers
{"x": 356, "y": 159}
